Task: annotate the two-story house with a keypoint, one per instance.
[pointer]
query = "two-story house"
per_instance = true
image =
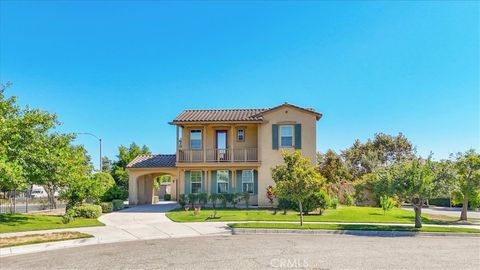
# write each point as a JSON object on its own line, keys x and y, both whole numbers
{"x": 226, "y": 151}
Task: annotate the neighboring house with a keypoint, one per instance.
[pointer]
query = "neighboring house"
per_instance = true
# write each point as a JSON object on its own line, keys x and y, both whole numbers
{"x": 230, "y": 150}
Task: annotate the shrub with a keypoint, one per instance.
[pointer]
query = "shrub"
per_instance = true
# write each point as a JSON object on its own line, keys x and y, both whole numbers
{"x": 285, "y": 204}
{"x": 115, "y": 193}
{"x": 155, "y": 199}
{"x": 319, "y": 200}
{"x": 224, "y": 199}
{"x": 167, "y": 197}
{"x": 235, "y": 199}
{"x": 348, "y": 199}
{"x": 69, "y": 216}
{"x": 333, "y": 203}
{"x": 192, "y": 199}
{"x": 107, "y": 207}
{"x": 387, "y": 203}
{"x": 87, "y": 211}
{"x": 246, "y": 198}
{"x": 203, "y": 198}
{"x": 182, "y": 200}
{"x": 117, "y": 205}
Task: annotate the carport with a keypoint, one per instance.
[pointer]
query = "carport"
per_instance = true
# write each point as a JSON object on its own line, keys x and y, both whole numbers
{"x": 141, "y": 173}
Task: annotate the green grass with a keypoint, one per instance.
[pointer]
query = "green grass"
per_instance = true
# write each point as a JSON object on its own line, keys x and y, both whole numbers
{"x": 317, "y": 226}
{"x": 26, "y": 222}
{"x": 341, "y": 214}
{"x": 41, "y": 238}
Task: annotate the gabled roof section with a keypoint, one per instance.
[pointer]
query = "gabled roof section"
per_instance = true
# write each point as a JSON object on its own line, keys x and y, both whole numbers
{"x": 153, "y": 161}
{"x": 286, "y": 104}
{"x": 233, "y": 115}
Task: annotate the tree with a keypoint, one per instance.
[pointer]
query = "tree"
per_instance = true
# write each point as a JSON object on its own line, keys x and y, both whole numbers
{"x": 414, "y": 182}
{"x": 101, "y": 184}
{"x": 296, "y": 179}
{"x": 125, "y": 155}
{"x": 381, "y": 152}
{"x": 467, "y": 180}
{"x": 214, "y": 197}
{"x": 106, "y": 164}
{"x": 333, "y": 167}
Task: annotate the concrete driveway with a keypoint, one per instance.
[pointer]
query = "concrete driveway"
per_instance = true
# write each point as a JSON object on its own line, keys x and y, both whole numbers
{"x": 136, "y": 223}
{"x": 150, "y": 222}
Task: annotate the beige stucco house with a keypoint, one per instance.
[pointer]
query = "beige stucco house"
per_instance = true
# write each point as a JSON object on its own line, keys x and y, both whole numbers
{"x": 226, "y": 151}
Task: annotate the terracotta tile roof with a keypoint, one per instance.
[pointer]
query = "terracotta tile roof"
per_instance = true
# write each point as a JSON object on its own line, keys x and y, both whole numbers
{"x": 220, "y": 115}
{"x": 232, "y": 115}
{"x": 152, "y": 161}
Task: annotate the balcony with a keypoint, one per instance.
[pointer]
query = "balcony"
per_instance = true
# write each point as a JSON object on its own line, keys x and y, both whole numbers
{"x": 217, "y": 155}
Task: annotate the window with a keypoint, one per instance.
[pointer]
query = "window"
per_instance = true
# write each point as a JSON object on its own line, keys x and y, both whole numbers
{"x": 240, "y": 134}
{"x": 196, "y": 181}
{"x": 195, "y": 139}
{"x": 247, "y": 181}
{"x": 222, "y": 181}
{"x": 286, "y": 136}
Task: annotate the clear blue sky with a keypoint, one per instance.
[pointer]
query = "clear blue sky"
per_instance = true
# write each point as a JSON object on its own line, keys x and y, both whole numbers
{"x": 123, "y": 69}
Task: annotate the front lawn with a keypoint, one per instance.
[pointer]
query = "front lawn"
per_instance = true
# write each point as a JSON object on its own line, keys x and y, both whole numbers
{"x": 26, "y": 222}
{"x": 41, "y": 238}
{"x": 317, "y": 226}
{"x": 341, "y": 214}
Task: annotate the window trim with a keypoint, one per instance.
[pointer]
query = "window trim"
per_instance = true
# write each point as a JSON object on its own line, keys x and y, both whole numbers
{"x": 201, "y": 138}
{"x": 223, "y": 182}
{"x": 201, "y": 181}
{"x": 292, "y": 126}
{"x": 252, "y": 182}
{"x": 238, "y": 133}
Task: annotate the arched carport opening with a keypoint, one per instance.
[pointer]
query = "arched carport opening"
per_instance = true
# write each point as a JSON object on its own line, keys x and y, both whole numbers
{"x": 141, "y": 184}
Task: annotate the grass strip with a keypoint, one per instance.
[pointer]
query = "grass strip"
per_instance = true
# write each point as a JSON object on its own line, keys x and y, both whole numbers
{"x": 364, "y": 227}
{"x": 30, "y": 222}
{"x": 40, "y": 238}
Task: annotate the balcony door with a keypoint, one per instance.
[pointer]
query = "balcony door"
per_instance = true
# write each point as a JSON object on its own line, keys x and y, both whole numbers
{"x": 221, "y": 145}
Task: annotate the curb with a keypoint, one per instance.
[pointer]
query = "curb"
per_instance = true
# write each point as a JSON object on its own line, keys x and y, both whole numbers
{"x": 238, "y": 231}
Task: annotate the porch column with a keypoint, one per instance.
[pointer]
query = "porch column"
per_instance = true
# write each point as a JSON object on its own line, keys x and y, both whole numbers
{"x": 176, "y": 146}
{"x": 204, "y": 143}
{"x": 209, "y": 181}
{"x": 132, "y": 189}
{"x": 232, "y": 140}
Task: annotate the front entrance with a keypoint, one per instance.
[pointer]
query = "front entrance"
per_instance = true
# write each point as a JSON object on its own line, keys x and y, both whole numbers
{"x": 221, "y": 152}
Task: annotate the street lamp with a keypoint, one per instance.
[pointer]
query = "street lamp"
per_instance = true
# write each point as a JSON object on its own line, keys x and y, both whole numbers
{"x": 99, "y": 140}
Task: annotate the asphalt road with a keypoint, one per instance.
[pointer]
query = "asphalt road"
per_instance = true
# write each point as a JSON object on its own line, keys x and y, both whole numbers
{"x": 263, "y": 251}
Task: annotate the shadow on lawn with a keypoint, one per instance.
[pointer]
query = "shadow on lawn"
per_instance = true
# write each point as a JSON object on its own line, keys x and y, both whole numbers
{"x": 13, "y": 219}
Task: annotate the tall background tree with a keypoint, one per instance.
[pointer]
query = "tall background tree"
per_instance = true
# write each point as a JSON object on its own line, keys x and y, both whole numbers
{"x": 125, "y": 155}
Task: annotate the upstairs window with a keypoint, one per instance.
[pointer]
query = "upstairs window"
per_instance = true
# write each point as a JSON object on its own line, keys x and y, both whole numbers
{"x": 241, "y": 135}
{"x": 195, "y": 139}
{"x": 286, "y": 136}
{"x": 196, "y": 181}
{"x": 247, "y": 181}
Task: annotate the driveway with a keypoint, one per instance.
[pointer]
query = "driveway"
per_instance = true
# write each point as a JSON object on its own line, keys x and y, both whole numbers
{"x": 136, "y": 223}
{"x": 446, "y": 211}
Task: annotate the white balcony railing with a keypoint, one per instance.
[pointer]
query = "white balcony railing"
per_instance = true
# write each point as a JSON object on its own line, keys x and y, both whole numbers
{"x": 218, "y": 155}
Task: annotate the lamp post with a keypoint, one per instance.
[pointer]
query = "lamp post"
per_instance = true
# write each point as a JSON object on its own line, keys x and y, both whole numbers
{"x": 99, "y": 140}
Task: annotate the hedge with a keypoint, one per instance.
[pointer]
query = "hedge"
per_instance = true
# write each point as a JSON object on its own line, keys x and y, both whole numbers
{"x": 117, "y": 205}
{"x": 88, "y": 211}
{"x": 107, "y": 207}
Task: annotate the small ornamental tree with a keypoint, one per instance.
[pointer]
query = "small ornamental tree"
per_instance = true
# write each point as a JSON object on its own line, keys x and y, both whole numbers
{"x": 415, "y": 182}
{"x": 270, "y": 197}
{"x": 387, "y": 203}
{"x": 467, "y": 179}
{"x": 296, "y": 179}
{"x": 214, "y": 197}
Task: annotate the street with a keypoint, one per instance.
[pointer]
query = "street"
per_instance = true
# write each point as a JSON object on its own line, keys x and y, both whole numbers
{"x": 263, "y": 251}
